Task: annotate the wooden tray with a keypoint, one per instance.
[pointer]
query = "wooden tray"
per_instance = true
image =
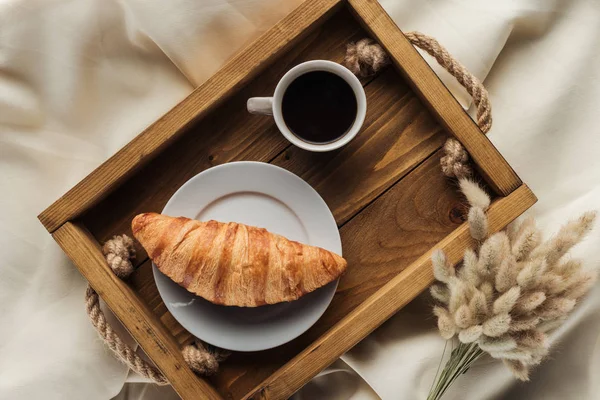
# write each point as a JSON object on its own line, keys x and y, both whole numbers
{"x": 385, "y": 189}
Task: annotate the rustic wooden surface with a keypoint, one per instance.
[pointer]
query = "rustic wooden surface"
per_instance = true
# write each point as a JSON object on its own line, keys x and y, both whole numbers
{"x": 158, "y": 344}
{"x": 244, "y": 66}
{"x": 494, "y": 168}
{"x": 385, "y": 189}
{"x": 384, "y": 303}
{"x": 411, "y": 217}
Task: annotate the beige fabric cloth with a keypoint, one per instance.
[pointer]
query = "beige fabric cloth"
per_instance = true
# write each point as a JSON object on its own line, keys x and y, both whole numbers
{"x": 78, "y": 79}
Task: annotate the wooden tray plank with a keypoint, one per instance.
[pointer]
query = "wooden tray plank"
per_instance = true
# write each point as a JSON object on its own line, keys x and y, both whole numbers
{"x": 227, "y": 134}
{"x": 493, "y": 167}
{"x": 240, "y": 69}
{"x": 86, "y": 254}
{"x": 377, "y": 245}
{"x": 383, "y": 304}
{"x": 399, "y": 134}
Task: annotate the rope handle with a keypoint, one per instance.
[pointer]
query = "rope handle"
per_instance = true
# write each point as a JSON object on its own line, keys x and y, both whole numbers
{"x": 121, "y": 349}
{"x": 472, "y": 85}
{"x": 365, "y": 58}
{"x": 202, "y": 359}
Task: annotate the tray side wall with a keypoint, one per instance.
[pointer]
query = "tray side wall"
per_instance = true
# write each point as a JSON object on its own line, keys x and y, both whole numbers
{"x": 492, "y": 166}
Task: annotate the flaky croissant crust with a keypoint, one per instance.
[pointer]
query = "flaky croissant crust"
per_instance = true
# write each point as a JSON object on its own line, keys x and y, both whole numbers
{"x": 234, "y": 264}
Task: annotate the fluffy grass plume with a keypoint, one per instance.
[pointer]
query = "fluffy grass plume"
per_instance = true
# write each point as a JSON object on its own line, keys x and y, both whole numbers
{"x": 509, "y": 293}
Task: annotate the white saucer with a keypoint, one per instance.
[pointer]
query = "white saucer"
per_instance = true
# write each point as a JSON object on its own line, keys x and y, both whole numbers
{"x": 262, "y": 195}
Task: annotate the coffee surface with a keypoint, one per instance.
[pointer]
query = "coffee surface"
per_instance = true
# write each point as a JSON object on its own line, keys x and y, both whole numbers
{"x": 319, "y": 107}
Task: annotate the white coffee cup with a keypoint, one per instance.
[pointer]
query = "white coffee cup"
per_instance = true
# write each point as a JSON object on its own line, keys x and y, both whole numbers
{"x": 272, "y": 105}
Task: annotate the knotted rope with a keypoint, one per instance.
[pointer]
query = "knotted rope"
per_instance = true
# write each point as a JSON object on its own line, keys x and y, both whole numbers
{"x": 455, "y": 162}
{"x": 366, "y": 57}
{"x": 202, "y": 360}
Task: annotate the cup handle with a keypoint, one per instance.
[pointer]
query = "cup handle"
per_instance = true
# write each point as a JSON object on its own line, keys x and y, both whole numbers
{"x": 260, "y": 105}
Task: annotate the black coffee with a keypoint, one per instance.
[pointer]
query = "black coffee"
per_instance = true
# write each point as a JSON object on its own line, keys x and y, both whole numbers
{"x": 319, "y": 107}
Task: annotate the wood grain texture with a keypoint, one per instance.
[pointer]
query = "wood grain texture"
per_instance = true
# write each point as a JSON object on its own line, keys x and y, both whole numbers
{"x": 383, "y": 304}
{"x": 492, "y": 166}
{"x": 382, "y": 240}
{"x": 398, "y": 134}
{"x": 240, "y": 69}
{"x": 156, "y": 342}
{"x": 228, "y": 133}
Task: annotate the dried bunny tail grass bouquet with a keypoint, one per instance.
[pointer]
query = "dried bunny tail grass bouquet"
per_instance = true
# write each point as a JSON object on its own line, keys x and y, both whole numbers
{"x": 505, "y": 298}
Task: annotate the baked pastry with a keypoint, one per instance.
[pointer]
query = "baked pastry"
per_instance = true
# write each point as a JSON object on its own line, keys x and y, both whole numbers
{"x": 234, "y": 264}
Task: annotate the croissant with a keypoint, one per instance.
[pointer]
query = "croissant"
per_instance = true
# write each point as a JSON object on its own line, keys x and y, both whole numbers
{"x": 234, "y": 264}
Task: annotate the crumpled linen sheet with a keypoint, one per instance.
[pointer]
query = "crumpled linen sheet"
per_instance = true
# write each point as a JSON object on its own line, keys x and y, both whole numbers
{"x": 80, "y": 78}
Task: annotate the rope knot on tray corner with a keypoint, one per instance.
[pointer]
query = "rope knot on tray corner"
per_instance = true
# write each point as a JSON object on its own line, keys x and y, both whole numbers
{"x": 365, "y": 57}
{"x": 455, "y": 162}
{"x": 202, "y": 359}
